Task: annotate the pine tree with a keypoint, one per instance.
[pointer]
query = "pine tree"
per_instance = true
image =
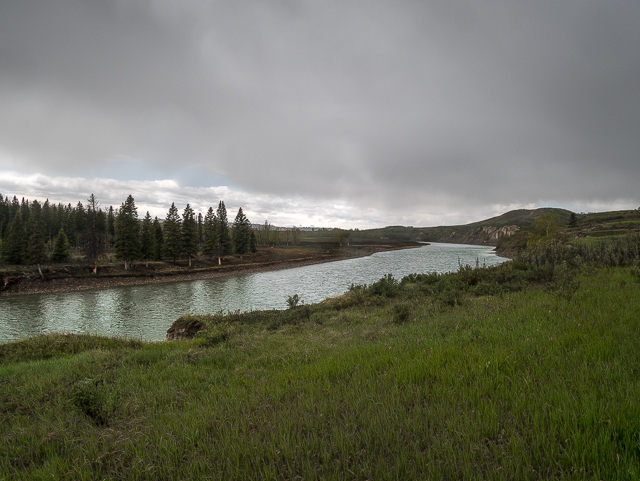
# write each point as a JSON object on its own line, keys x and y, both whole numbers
{"x": 80, "y": 217}
{"x": 252, "y": 242}
{"x": 148, "y": 239}
{"x": 224, "y": 235}
{"x": 210, "y": 234}
{"x": 189, "y": 233}
{"x": 172, "y": 234}
{"x": 94, "y": 230}
{"x": 36, "y": 251}
{"x": 241, "y": 233}
{"x": 13, "y": 246}
{"x": 159, "y": 238}
{"x": 111, "y": 226}
{"x": 128, "y": 233}
{"x": 61, "y": 247}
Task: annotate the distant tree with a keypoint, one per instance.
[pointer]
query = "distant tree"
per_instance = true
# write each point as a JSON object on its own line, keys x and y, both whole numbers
{"x": 94, "y": 238}
{"x": 189, "y": 233}
{"x": 147, "y": 239}
{"x": 224, "y": 235}
{"x": 200, "y": 228}
{"x": 295, "y": 236}
{"x": 210, "y": 238}
{"x": 252, "y": 242}
{"x": 36, "y": 251}
{"x": 13, "y": 245}
{"x": 80, "y": 219}
{"x": 157, "y": 227}
{"x": 573, "y": 221}
{"x": 172, "y": 234}
{"x": 60, "y": 247}
{"x": 241, "y": 233}
{"x": 127, "y": 233}
{"x": 111, "y": 226}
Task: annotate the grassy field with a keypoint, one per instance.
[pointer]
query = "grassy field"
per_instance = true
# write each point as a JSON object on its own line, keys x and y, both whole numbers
{"x": 501, "y": 373}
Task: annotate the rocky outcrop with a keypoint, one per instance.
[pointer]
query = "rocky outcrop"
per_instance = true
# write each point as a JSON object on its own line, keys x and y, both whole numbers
{"x": 184, "y": 329}
{"x": 486, "y": 236}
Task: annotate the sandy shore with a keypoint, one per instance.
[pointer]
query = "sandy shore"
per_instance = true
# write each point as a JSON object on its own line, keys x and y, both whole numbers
{"x": 26, "y": 286}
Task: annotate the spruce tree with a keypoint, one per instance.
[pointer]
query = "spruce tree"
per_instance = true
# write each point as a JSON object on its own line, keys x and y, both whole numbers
{"x": 36, "y": 251}
{"x": 189, "y": 233}
{"x": 210, "y": 234}
{"x": 128, "y": 233}
{"x": 13, "y": 245}
{"x": 61, "y": 247}
{"x": 224, "y": 235}
{"x": 94, "y": 230}
{"x": 172, "y": 234}
{"x": 252, "y": 242}
{"x": 148, "y": 239}
{"x": 159, "y": 238}
{"x": 111, "y": 226}
{"x": 241, "y": 233}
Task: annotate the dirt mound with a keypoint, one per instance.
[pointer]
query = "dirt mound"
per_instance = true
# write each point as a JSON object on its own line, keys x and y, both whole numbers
{"x": 184, "y": 330}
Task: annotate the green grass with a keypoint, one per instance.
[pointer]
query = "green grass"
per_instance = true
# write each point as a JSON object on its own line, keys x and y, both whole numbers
{"x": 406, "y": 382}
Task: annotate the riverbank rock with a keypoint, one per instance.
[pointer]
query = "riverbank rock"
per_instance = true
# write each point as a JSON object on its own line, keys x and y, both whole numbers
{"x": 184, "y": 329}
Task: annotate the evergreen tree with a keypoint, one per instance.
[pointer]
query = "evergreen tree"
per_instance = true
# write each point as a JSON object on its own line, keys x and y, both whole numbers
{"x": 13, "y": 246}
{"x": 148, "y": 239}
{"x": 172, "y": 234}
{"x": 573, "y": 220}
{"x": 80, "y": 218}
{"x": 4, "y": 214}
{"x": 200, "y": 227}
{"x": 210, "y": 234}
{"x": 61, "y": 247}
{"x": 128, "y": 233}
{"x": 159, "y": 238}
{"x": 111, "y": 226}
{"x": 252, "y": 242}
{"x": 241, "y": 233}
{"x": 94, "y": 230}
{"x": 224, "y": 235}
{"x": 47, "y": 221}
{"x": 189, "y": 233}
{"x": 36, "y": 251}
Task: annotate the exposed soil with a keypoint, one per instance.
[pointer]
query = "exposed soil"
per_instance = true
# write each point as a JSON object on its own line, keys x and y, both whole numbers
{"x": 75, "y": 277}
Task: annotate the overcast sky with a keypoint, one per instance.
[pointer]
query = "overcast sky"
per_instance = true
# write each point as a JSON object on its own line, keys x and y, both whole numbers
{"x": 335, "y": 113}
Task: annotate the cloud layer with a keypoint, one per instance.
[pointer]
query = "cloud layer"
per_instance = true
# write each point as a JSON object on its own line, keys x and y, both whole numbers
{"x": 401, "y": 112}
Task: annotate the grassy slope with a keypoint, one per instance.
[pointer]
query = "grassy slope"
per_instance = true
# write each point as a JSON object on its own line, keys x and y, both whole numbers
{"x": 520, "y": 385}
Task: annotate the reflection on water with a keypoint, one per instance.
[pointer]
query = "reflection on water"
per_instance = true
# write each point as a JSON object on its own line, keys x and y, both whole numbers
{"x": 146, "y": 312}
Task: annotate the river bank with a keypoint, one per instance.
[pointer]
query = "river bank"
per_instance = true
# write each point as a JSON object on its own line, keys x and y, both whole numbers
{"x": 79, "y": 277}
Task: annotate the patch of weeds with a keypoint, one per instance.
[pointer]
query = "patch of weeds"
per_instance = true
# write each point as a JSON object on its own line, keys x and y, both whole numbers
{"x": 565, "y": 283}
{"x": 214, "y": 334}
{"x": 387, "y": 286}
{"x": 96, "y": 399}
{"x": 636, "y": 269}
{"x": 293, "y": 301}
{"x": 401, "y": 313}
{"x": 50, "y": 346}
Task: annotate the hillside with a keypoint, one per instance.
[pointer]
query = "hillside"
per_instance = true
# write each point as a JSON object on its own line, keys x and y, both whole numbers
{"x": 508, "y": 232}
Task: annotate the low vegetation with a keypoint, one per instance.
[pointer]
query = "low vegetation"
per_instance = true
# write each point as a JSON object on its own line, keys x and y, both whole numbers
{"x": 528, "y": 370}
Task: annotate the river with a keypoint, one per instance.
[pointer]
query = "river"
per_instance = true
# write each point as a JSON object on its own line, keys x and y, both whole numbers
{"x": 146, "y": 312}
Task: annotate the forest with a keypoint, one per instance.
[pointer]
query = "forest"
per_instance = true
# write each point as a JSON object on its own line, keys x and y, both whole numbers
{"x": 35, "y": 233}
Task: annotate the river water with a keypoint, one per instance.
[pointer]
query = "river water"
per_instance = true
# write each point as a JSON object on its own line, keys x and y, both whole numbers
{"x": 146, "y": 312}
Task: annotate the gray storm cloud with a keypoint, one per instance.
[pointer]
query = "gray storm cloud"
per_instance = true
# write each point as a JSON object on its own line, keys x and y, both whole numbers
{"x": 398, "y": 106}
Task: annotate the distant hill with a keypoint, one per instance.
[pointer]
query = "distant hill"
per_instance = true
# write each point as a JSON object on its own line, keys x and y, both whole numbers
{"x": 485, "y": 232}
{"x": 508, "y": 231}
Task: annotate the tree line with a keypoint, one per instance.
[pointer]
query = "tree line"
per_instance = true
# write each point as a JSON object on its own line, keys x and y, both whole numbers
{"x": 35, "y": 232}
